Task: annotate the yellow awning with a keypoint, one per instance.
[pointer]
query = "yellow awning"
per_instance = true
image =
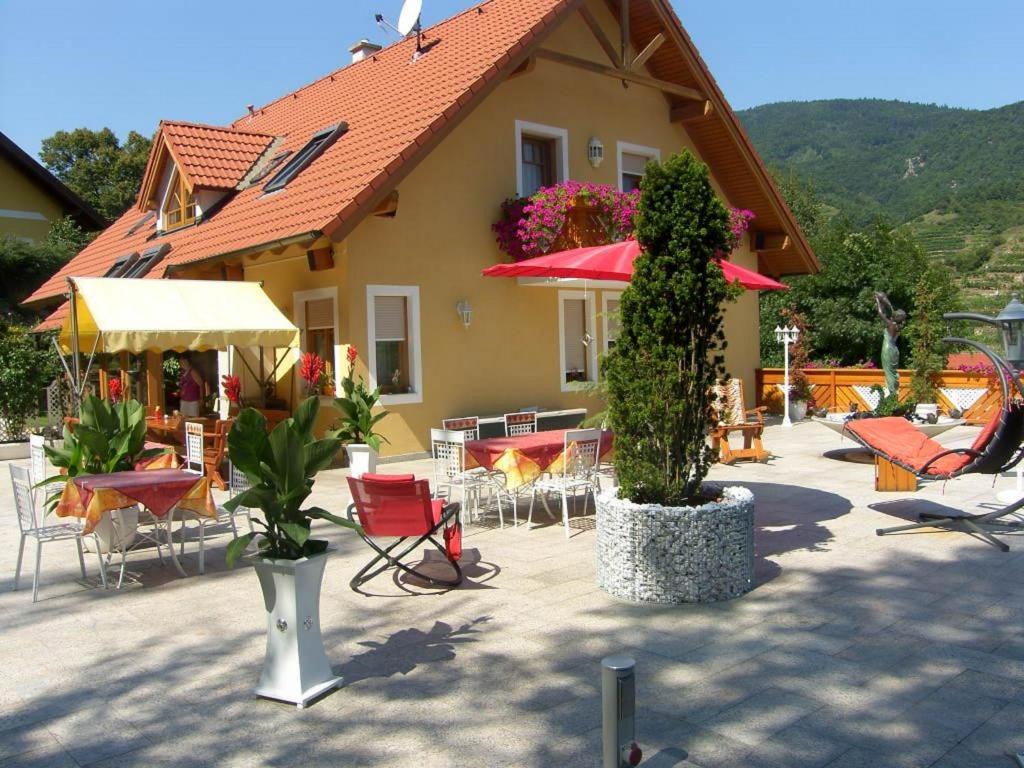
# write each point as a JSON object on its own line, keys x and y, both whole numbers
{"x": 140, "y": 315}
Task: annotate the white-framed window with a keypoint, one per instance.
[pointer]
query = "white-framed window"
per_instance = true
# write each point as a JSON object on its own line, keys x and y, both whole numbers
{"x": 577, "y": 338}
{"x": 393, "y": 342}
{"x": 542, "y": 156}
{"x": 610, "y": 317}
{"x": 632, "y": 159}
{"x": 315, "y": 313}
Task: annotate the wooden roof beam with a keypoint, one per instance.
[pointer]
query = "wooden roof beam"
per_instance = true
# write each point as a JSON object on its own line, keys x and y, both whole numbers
{"x": 600, "y": 36}
{"x": 769, "y": 241}
{"x": 649, "y": 50}
{"x": 691, "y": 112}
{"x": 624, "y": 28}
{"x": 681, "y": 91}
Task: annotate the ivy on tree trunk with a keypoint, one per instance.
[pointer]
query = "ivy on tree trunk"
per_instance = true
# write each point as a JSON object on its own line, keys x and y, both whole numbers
{"x": 669, "y": 353}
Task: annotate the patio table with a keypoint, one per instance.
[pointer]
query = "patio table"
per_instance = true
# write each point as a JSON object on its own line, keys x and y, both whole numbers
{"x": 524, "y": 458}
{"x": 160, "y": 491}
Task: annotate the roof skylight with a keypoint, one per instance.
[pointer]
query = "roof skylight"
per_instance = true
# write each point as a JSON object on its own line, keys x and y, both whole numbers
{"x": 122, "y": 264}
{"x": 313, "y": 149}
{"x": 149, "y": 259}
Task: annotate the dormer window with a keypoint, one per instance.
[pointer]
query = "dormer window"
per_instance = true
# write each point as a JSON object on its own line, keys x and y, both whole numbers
{"x": 313, "y": 149}
{"x": 179, "y": 204}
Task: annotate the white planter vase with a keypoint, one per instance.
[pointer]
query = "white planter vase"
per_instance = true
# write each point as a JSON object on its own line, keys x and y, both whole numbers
{"x": 295, "y": 668}
{"x": 362, "y": 459}
{"x": 798, "y": 410}
{"x": 648, "y": 553}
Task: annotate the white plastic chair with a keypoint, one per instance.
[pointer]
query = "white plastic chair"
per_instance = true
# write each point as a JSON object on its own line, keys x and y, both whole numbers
{"x": 448, "y": 448}
{"x": 520, "y": 423}
{"x": 28, "y": 523}
{"x": 580, "y": 461}
{"x": 40, "y": 469}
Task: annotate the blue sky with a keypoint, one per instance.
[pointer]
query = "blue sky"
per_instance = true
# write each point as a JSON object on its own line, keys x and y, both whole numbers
{"x": 126, "y": 65}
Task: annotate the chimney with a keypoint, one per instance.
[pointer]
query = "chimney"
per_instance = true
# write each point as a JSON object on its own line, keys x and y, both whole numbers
{"x": 363, "y": 49}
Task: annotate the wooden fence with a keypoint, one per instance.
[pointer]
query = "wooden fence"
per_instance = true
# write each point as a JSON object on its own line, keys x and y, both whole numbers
{"x": 978, "y": 397}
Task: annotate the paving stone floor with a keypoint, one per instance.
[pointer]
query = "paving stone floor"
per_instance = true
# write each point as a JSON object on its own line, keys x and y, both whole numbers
{"x": 852, "y": 651}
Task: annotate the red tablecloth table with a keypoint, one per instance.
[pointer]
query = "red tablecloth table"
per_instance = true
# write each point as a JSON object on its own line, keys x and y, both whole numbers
{"x": 158, "y": 490}
{"x": 524, "y": 458}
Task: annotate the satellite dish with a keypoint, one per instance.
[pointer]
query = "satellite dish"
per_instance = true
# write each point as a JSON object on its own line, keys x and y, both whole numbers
{"x": 409, "y": 18}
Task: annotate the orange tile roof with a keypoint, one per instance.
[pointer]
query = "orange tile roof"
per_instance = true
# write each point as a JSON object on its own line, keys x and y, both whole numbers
{"x": 213, "y": 157}
{"x": 397, "y": 108}
{"x": 393, "y": 105}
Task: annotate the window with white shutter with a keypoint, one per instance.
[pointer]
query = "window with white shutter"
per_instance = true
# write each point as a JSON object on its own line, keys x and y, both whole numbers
{"x": 393, "y": 320}
{"x": 577, "y": 342}
{"x": 315, "y": 314}
{"x": 633, "y": 160}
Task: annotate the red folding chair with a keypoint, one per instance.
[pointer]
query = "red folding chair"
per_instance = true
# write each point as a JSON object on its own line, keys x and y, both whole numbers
{"x": 400, "y": 506}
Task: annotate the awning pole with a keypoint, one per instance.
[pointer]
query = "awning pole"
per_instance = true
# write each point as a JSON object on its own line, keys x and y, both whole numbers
{"x": 73, "y": 298}
{"x": 63, "y": 362}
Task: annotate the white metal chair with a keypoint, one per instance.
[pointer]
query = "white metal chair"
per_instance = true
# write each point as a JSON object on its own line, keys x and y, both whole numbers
{"x": 39, "y": 470}
{"x": 520, "y": 423}
{"x": 580, "y": 461}
{"x": 237, "y": 482}
{"x": 28, "y": 523}
{"x": 194, "y": 462}
{"x": 194, "y": 446}
{"x": 448, "y": 448}
{"x": 469, "y": 425}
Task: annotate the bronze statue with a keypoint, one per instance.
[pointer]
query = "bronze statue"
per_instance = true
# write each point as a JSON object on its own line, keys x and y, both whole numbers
{"x": 894, "y": 322}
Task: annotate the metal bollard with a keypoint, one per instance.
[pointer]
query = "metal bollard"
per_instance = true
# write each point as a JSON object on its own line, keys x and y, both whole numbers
{"x": 618, "y": 707}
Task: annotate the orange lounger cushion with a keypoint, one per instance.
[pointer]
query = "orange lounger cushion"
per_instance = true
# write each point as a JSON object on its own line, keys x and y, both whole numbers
{"x": 899, "y": 441}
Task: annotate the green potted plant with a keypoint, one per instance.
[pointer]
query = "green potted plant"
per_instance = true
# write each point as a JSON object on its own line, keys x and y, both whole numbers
{"x": 108, "y": 437}
{"x": 356, "y": 428}
{"x": 662, "y": 535}
{"x": 290, "y": 564}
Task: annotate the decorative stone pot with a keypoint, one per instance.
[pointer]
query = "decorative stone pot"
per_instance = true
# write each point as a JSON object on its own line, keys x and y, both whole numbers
{"x": 362, "y": 459}
{"x": 653, "y": 554}
{"x": 295, "y": 667}
{"x": 798, "y": 410}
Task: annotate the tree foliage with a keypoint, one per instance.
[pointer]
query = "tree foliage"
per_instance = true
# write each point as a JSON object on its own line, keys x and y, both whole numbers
{"x": 105, "y": 172}
{"x": 934, "y": 294}
{"x": 669, "y": 352}
{"x": 838, "y": 302}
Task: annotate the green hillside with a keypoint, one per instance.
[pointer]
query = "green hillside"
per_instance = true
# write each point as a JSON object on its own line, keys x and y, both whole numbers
{"x": 954, "y": 177}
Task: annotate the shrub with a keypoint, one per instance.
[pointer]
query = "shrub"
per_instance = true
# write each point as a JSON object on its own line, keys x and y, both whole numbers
{"x": 27, "y": 365}
{"x": 669, "y": 353}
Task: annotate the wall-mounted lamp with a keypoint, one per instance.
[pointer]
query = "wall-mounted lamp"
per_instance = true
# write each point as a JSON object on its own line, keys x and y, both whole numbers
{"x": 465, "y": 312}
{"x": 595, "y": 151}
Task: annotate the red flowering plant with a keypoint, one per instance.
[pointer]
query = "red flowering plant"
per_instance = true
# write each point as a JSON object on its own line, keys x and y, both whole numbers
{"x": 311, "y": 369}
{"x": 115, "y": 389}
{"x": 358, "y": 421}
{"x": 232, "y": 388}
{"x": 528, "y": 227}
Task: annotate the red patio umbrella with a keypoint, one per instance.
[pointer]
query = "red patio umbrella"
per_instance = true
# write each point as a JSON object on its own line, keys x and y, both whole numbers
{"x": 613, "y": 262}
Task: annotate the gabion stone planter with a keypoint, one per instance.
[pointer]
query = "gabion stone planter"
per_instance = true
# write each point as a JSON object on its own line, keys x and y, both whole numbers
{"x": 653, "y": 554}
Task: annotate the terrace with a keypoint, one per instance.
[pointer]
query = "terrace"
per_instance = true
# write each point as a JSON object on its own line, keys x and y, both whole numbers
{"x": 852, "y": 650}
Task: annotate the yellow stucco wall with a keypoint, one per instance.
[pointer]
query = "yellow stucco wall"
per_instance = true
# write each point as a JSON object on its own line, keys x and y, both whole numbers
{"x": 441, "y": 239}
{"x": 22, "y": 202}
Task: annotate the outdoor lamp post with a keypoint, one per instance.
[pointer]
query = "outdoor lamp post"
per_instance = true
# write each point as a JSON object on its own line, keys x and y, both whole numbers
{"x": 1011, "y": 322}
{"x": 786, "y": 336}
